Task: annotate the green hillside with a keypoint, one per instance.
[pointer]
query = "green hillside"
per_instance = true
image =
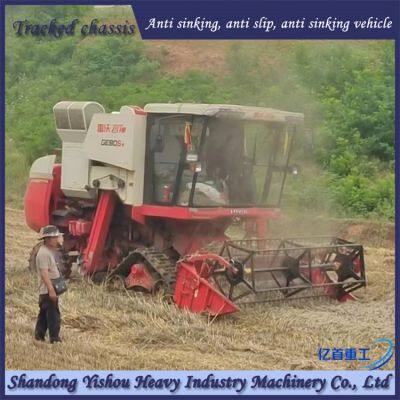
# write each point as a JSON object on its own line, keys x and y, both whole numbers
{"x": 344, "y": 88}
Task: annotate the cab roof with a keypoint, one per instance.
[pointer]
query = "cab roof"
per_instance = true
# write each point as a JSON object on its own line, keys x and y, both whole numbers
{"x": 226, "y": 111}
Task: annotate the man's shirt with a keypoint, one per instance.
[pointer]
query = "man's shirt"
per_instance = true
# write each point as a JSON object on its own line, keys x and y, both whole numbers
{"x": 45, "y": 260}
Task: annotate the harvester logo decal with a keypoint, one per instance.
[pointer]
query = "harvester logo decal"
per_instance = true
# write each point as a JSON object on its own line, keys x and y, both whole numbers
{"x": 239, "y": 211}
{"x": 111, "y": 128}
{"x": 111, "y": 142}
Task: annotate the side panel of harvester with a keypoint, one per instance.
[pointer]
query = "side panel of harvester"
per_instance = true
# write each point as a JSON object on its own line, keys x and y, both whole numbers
{"x": 103, "y": 157}
{"x": 116, "y": 144}
{"x": 37, "y": 201}
{"x": 101, "y": 151}
{"x": 72, "y": 123}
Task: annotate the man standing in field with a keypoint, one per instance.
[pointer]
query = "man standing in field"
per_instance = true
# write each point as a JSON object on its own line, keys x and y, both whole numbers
{"x": 49, "y": 315}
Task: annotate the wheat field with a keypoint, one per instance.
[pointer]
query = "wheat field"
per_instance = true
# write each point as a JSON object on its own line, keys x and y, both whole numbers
{"x": 115, "y": 329}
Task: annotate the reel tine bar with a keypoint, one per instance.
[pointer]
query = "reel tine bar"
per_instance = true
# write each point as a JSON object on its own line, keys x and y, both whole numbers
{"x": 294, "y": 265}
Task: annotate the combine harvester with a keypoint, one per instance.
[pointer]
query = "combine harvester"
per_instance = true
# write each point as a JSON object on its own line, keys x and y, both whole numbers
{"x": 145, "y": 196}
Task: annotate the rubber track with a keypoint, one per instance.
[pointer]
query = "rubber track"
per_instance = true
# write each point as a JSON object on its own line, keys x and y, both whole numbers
{"x": 159, "y": 261}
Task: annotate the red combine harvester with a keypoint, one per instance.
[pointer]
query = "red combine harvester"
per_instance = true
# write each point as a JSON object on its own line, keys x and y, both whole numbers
{"x": 145, "y": 196}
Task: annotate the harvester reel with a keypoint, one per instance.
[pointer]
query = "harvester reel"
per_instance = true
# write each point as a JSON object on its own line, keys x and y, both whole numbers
{"x": 294, "y": 268}
{"x": 235, "y": 277}
{"x": 291, "y": 267}
{"x": 346, "y": 267}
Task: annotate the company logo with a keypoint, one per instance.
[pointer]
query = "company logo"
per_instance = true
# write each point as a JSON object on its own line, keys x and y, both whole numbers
{"x": 238, "y": 211}
{"x": 386, "y": 350}
{"x": 112, "y": 142}
{"x": 111, "y": 128}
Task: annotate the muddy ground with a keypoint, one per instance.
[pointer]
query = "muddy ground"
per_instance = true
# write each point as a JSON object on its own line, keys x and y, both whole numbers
{"x": 105, "y": 329}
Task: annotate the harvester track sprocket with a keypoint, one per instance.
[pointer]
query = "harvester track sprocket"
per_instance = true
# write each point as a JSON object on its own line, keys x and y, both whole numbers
{"x": 162, "y": 265}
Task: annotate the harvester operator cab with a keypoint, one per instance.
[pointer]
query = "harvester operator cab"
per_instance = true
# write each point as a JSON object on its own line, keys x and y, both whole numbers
{"x": 217, "y": 157}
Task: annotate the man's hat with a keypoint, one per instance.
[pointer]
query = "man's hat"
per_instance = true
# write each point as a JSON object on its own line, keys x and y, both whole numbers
{"x": 49, "y": 231}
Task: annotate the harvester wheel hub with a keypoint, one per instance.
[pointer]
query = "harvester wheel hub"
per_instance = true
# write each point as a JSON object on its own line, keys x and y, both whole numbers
{"x": 234, "y": 277}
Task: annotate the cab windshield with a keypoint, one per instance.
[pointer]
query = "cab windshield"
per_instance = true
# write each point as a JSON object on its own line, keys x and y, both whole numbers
{"x": 200, "y": 161}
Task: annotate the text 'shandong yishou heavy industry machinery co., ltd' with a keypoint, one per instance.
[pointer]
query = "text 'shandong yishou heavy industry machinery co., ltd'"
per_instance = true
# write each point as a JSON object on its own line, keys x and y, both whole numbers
{"x": 145, "y": 197}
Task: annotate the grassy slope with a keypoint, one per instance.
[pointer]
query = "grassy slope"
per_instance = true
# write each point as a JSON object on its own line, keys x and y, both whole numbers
{"x": 105, "y": 329}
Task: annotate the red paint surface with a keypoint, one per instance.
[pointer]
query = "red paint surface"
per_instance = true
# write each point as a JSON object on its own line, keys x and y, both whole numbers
{"x": 320, "y": 277}
{"x": 79, "y": 227}
{"x": 197, "y": 294}
{"x": 97, "y": 238}
{"x": 37, "y": 203}
{"x": 56, "y": 192}
{"x": 187, "y": 213}
{"x": 139, "y": 277}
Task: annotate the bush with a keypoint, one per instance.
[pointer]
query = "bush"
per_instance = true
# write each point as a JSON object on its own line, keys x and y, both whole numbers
{"x": 16, "y": 169}
{"x": 362, "y": 196}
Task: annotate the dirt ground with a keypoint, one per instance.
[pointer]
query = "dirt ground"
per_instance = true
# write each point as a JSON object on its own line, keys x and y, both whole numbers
{"x": 104, "y": 329}
{"x": 181, "y": 56}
